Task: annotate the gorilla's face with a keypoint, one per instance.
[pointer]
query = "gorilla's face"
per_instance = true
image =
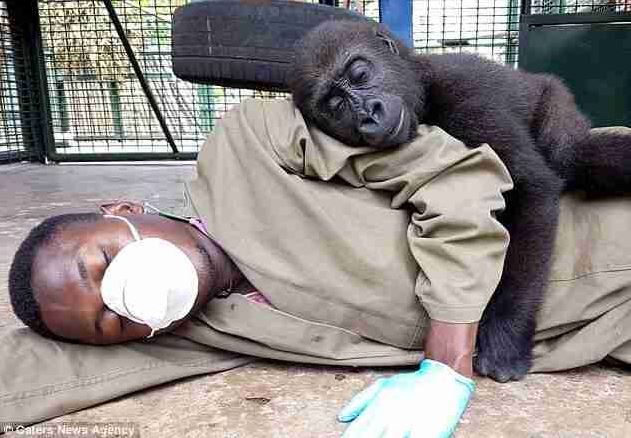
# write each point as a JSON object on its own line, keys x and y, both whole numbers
{"x": 358, "y": 109}
{"x": 351, "y": 81}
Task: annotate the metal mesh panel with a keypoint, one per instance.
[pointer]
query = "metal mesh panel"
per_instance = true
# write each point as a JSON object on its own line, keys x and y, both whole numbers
{"x": 97, "y": 102}
{"x": 487, "y": 27}
{"x": 13, "y": 144}
{"x": 580, "y": 6}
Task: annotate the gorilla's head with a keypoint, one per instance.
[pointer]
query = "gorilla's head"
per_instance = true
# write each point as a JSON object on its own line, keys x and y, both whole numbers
{"x": 358, "y": 83}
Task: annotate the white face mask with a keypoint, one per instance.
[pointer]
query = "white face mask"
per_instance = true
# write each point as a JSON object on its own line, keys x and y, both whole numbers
{"x": 150, "y": 281}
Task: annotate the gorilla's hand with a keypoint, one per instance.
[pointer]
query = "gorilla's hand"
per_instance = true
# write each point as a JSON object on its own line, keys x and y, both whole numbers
{"x": 503, "y": 350}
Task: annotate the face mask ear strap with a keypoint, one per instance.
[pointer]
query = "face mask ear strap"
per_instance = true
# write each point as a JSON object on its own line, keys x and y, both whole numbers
{"x": 132, "y": 228}
{"x": 154, "y": 210}
{"x": 150, "y": 208}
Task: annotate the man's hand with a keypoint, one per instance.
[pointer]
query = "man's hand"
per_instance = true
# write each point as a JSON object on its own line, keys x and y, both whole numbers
{"x": 427, "y": 403}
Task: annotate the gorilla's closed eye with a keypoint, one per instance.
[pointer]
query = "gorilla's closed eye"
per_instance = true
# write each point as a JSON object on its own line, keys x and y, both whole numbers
{"x": 359, "y": 72}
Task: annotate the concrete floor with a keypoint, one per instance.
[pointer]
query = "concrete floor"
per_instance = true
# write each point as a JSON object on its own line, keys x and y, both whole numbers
{"x": 282, "y": 400}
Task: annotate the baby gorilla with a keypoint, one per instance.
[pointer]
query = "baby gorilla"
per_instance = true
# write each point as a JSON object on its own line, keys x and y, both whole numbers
{"x": 356, "y": 82}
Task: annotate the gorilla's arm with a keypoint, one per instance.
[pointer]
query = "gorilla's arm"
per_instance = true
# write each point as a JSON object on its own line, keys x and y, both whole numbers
{"x": 505, "y": 338}
{"x": 507, "y": 328}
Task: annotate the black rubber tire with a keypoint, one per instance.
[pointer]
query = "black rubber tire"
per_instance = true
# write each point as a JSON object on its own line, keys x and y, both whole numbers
{"x": 244, "y": 43}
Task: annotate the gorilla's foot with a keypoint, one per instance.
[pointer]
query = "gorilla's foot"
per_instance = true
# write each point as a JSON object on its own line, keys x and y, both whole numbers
{"x": 502, "y": 354}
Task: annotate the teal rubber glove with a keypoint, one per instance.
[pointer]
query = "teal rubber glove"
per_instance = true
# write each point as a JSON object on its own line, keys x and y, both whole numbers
{"x": 427, "y": 403}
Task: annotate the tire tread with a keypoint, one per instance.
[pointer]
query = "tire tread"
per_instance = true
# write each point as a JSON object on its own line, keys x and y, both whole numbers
{"x": 243, "y": 44}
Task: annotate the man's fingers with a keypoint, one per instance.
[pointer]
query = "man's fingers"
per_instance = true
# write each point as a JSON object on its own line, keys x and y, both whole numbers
{"x": 360, "y": 401}
{"x": 369, "y": 424}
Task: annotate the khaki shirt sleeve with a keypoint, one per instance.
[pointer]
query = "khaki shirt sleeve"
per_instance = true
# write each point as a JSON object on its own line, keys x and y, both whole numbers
{"x": 455, "y": 194}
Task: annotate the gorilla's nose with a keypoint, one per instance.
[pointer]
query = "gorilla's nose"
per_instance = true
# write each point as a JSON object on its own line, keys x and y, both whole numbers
{"x": 375, "y": 109}
{"x": 371, "y": 118}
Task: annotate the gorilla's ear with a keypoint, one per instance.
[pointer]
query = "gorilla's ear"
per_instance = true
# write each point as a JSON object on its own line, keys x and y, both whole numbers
{"x": 388, "y": 41}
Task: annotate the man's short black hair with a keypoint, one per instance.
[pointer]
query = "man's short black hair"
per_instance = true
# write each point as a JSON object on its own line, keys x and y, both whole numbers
{"x": 23, "y": 300}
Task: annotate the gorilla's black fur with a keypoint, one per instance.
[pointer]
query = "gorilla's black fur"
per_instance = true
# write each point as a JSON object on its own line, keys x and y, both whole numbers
{"x": 356, "y": 82}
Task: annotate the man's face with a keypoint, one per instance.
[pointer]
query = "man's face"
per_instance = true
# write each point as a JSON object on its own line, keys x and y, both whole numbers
{"x": 67, "y": 273}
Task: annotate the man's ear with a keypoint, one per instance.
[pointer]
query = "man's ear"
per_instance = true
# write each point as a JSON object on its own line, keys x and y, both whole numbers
{"x": 122, "y": 208}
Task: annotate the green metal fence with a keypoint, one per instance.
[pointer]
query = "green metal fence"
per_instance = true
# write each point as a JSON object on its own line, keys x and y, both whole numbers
{"x": 16, "y": 114}
{"x": 89, "y": 103}
{"x": 98, "y": 105}
{"x": 487, "y": 27}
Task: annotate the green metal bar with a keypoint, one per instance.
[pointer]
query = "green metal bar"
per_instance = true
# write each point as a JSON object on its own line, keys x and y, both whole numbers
{"x": 62, "y": 105}
{"x": 513, "y": 27}
{"x": 206, "y": 100}
{"x": 526, "y": 7}
{"x": 127, "y": 156}
{"x": 579, "y": 18}
{"x": 143, "y": 82}
{"x": 37, "y": 132}
{"x": 117, "y": 116}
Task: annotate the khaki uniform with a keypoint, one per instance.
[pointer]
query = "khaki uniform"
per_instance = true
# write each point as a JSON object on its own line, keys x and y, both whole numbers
{"x": 355, "y": 250}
